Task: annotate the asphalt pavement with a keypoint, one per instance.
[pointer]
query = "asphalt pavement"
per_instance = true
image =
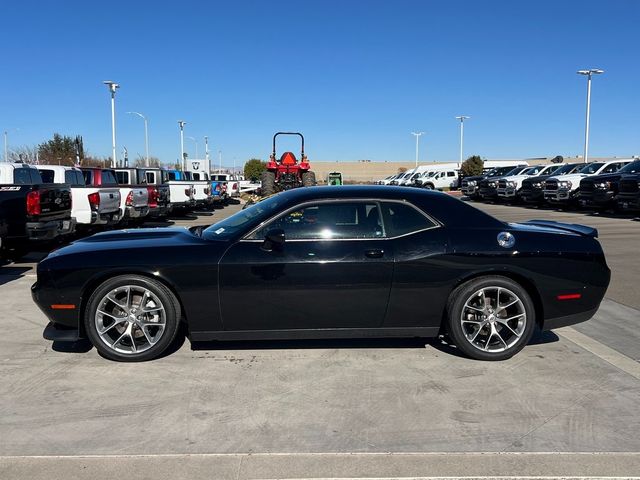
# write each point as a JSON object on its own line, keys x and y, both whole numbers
{"x": 567, "y": 405}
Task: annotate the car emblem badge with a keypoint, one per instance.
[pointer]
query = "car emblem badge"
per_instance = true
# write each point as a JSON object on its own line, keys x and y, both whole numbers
{"x": 506, "y": 240}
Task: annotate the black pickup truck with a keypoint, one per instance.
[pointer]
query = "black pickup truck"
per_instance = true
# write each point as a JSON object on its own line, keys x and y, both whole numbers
{"x": 628, "y": 197}
{"x": 29, "y": 209}
{"x": 601, "y": 191}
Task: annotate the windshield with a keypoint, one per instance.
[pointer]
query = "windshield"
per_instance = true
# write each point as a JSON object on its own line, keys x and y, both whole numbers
{"x": 243, "y": 219}
{"x": 633, "y": 167}
{"x": 591, "y": 168}
{"x": 568, "y": 168}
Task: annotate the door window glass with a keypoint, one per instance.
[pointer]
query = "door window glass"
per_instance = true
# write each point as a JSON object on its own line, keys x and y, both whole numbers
{"x": 123, "y": 177}
{"x": 335, "y": 220}
{"x": 401, "y": 219}
{"x": 21, "y": 176}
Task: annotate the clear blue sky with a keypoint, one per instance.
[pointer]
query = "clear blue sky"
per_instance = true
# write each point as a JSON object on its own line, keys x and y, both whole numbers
{"x": 356, "y": 77}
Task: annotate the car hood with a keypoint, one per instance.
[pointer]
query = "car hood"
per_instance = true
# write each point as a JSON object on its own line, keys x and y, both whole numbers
{"x": 516, "y": 178}
{"x": 608, "y": 177}
{"x": 129, "y": 239}
{"x": 572, "y": 177}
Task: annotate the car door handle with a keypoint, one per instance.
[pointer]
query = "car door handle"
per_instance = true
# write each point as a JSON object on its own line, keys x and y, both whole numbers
{"x": 374, "y": 253}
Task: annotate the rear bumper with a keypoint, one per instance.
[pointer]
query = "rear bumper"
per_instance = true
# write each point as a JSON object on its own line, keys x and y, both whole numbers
{"x": 49, "y": 230}
{"x": 105, "y": 218}
{"x": 59, "y": 333}
{"x": 159, "y": 211}
{"x": 136, "y": 212}
{"x": 559, "y": 322}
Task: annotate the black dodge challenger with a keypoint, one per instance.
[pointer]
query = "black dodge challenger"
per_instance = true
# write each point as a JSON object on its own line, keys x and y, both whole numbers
{"x": 326, "y": 262}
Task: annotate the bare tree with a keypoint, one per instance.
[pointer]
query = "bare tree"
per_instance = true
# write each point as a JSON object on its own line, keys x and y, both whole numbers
{"x": 141, "y": 161}
{"x": 24, "y": 154}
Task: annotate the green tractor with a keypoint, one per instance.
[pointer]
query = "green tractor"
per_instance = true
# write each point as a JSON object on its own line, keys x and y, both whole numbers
{"x": 334, "y": 178}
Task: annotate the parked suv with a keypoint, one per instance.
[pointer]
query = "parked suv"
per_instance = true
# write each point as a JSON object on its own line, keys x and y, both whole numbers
{"x": 565, "y": 189}
{"x": 600, "y": 191}
{"x": 532, "y": 190}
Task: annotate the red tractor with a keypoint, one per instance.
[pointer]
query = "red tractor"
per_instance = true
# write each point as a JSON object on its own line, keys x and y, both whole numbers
{"x": 287, "y": 173}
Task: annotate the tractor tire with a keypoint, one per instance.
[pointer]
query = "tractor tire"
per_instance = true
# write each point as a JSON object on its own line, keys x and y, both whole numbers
{"x": 308, "y": 179}
{"x": 268, "y": 183}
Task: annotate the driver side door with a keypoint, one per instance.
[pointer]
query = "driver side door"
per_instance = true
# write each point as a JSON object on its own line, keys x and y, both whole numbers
{"x": 334, "y": 270}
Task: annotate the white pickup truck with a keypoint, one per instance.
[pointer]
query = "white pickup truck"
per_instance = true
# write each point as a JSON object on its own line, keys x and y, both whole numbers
{"x": 231, "y": 182}
{"x": 201, "y": 190}
{"x": 181, "y": 192}
{"x": 91, "y": 204}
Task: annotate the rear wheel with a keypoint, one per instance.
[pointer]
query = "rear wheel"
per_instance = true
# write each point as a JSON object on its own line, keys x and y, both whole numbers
{"x": 428, "y": 186}
{"x": 490, "y": 318}
{"x": 131, "y": 318}
{"x": 308, "y": 179}
{"x": 268, "y": 183}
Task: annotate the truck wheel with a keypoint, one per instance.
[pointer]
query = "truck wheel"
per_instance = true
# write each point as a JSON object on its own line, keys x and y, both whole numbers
{"x": 308, "y": 179}
{"x": 428, "y": 186}
{"x": 268, "y": 183}
{"x": 131, "y": 318}
{"x": 490, "y": 318}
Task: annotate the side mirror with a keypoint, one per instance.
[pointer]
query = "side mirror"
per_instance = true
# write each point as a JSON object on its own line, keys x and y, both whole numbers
{"x": 273, "y": 240}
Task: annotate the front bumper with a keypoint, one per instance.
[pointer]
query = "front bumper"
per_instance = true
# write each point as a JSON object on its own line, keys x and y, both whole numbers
{"x": 559, "y": 196}
{"x": 628, "y": 202}
{"x": 559, "y": 322}
{"x": 532, "y": 195}
{"x": 508, "y": 192}
{"x": 596, "y": 199}
{"x": 469, "y": 191}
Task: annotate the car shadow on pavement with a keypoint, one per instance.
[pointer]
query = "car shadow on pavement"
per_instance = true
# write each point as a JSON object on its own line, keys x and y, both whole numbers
{"x": 79, "y": 346}
{"x": 9, "y": 273}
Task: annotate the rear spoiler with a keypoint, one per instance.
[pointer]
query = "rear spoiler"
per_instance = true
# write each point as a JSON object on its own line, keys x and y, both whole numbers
{"x": 567, "y": 227}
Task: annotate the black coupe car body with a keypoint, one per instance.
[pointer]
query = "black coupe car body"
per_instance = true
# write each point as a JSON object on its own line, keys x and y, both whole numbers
{"x": 327, "y": 262}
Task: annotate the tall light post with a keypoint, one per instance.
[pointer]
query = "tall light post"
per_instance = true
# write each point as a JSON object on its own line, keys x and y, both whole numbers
{"x": 220, "y": 159}
{"x": 181, "y": 124}
{"x": 462, "y": 118}
{"x": 6, "y": 148}
{"x": 417, "y": 135}
{"x": 588, "y": 73}
{"x": 196, "y": 142}
{"x": 146, "y": 137}
{"x": 113, "y": 86}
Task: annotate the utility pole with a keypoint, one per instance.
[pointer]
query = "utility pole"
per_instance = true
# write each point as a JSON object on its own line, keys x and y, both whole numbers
{"x": 462, "y": 118}
{"x": 220, "y": 159}
{"x": 181, "y": 124}
{"x": 6, "y": 149}
{"x": 206, "y": 154}
{"x": 113, "y": 86}
{"x": 588, "y": 74}
{"x": 417, "y": 135}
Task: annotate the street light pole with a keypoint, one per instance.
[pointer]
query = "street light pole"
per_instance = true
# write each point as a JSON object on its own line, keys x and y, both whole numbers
{"x": 181, "y": 124}
{"x": 588, "y": 73}
{"x": 6, "y": 148}
{"x": 146, "y": 137}
{"x": 113, "y": 86}
{"x": 220, "y": 159}
{"x": 462, "y": 118}
{"x": 417, "y": 135}
{"x": 206, "y": 153}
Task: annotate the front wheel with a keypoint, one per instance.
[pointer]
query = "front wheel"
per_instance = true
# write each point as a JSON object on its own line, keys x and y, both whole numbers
{"x": 132, "y": 318}
{"x": 428, "y": 186}
{"x": 490, "y": 318}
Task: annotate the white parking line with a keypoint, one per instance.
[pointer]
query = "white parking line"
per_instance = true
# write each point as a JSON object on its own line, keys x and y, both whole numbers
{"x": 615, "y": 358}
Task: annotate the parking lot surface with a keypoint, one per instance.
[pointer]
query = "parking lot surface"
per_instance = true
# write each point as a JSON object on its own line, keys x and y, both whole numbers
{"x": 321, "y": 409}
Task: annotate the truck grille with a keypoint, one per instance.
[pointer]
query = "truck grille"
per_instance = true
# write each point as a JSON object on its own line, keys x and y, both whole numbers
{"x": 502, "y": 184}
{"x": 628, "y": 186}
{"x": 587, "y": 186}
{"x": 551, "y": 185}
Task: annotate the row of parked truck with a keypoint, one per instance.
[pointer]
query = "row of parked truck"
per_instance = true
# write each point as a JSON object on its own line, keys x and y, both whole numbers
{"x": 44, "y": 202}
{"x": 613, "y": 184}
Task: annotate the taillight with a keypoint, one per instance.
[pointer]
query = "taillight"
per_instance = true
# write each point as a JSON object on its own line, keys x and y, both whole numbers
{"x": 218, "y": 187}
{"x": 153, "y": 196}
{"x": 187, "y": 191}
{"x": 94, "y": 200}
{"x": 234, "y": 186}
{"x": 129, "y": 201}
{"x": 33, "y": 203}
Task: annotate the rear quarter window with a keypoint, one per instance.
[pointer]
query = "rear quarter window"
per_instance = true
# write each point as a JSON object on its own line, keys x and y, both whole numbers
{"x": 21, "y": 176}
{"x": 402, "y": 219}
{"x": 108, "y": 178}
{"x": 48, "y": 176}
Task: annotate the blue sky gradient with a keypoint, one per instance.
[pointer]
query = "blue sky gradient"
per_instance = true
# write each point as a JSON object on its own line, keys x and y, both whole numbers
{"x": 356, "y": 77}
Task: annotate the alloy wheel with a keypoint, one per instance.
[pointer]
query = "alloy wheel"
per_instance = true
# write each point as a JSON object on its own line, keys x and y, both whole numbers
{"x": 130, "y": 319}
{"x": 493, "y": 319}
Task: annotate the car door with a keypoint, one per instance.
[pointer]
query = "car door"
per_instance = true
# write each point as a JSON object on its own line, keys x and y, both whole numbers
{"x": 333, "y": 270}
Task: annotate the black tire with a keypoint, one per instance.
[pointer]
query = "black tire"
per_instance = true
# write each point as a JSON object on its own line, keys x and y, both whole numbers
{"x": 465, "y": 293}
{"x": 308, "y": 179}
{"x": 268, "y": 183}
{"x": 165, "y": 297}
{"x": 429, "y": 186}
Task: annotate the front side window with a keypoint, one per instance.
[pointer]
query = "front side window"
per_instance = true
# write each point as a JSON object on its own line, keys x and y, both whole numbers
{"x": 402, "y": 219}
{"x": 633, "y": 167}
{"x": 611, "y": 168}
{"x": 123, "y": 177}
{"x": 331, "y": 220}
{"x": 591, "y": 168}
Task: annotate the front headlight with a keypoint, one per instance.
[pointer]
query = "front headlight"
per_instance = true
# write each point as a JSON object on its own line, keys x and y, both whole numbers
{"x": 603, "y": 185}
{"x": 492, "y": 184}
{"x": 471, "y": 183}
{"x": 537, "y": 185}
{"x": 511, "y": 184}
{"x": 565, "y": 184}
